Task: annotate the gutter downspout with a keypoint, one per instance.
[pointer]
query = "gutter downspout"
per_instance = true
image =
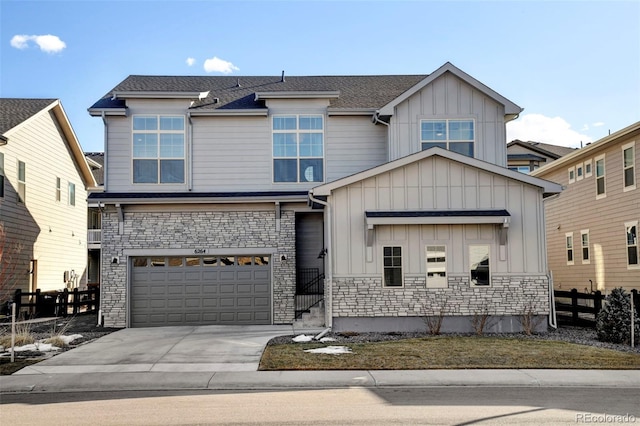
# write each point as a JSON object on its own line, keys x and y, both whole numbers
{"x": 189, "y": 153}
{"x": 329, "y": 271}
{"x": 376, "y": 120}
{"x": 552, "y": 302}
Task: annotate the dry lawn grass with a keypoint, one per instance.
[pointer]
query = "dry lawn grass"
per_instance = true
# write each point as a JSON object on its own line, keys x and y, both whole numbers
{"x": 449, "y": 353}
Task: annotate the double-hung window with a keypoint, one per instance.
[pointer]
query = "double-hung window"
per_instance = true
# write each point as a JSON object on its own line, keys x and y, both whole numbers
{"x": 628, "y": 166}
{"x": 600, "y": 178}
{"x": 569, "y": 245}
{"x": 22, "y": 182}
{"x": 58, "y": 189}
{"x": 632, "y": 244}
{"x": 158, "y": 149}
{"x": 584, "y": 239}
{"x": 392, "y": 266}
{"x": 298, "y": 148}
{"x": 454, "y": 135}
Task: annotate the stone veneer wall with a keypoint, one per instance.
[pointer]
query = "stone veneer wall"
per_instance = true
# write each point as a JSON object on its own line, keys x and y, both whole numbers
{"x": 507, "y": 296}
{"x": 184, "y": 230}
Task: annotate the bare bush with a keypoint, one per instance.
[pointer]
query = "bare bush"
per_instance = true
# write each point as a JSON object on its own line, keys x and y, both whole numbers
{"x": 529, "y": 320}
{"x": 482, "y": 319}
{"x": 434, "y": 322}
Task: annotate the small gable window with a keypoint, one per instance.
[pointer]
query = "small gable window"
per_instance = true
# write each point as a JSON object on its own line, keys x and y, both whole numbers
{"x": 454, "y": 135}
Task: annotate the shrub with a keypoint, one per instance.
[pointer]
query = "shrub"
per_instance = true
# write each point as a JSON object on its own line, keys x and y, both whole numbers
{"x": 613, "y": 323}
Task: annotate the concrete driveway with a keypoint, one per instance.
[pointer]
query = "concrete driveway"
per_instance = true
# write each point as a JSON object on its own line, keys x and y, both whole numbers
{"x": 168, "y": 349}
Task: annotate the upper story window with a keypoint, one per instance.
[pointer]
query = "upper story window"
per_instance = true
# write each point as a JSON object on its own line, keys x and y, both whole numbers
{"x": 158, "y": 149}
{"x": 587, "y": 168}
{"x": 579, "y": 171}
{"x": 454, "y": 135}
{"x": 600, "y": 182}
{"x": 22, "y": 181}
{"x": 72, "y": 194}
{"x": 584, "y": 239}
{"x": 569, "y": 244}
{"x": 572, "y": 174}
{"x": 628, "y": 166}
{"x": 298, "y": 148}
{"x": 1, "y": 175}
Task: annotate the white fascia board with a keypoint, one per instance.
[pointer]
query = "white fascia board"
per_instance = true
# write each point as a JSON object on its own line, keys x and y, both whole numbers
{"x": 510, "y": 109}
{"x": 297, "y": 95}
{"x": 547, "y": 186}
{"x": 562, "y": 161}
{"x": 201, "y": 200}
{"x": 438, "y": 220}
{"x": 351, "y": 111}
{"x": 156, "y": 95}
{"x": 97, "y": 112}
{"x": 262, "y": 112}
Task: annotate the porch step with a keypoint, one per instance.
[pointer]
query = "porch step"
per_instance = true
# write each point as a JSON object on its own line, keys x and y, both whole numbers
{"x": 313, "y": 318}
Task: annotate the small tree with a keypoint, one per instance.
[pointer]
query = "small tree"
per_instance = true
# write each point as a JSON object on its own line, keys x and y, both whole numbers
{"x": 613, "y": 323}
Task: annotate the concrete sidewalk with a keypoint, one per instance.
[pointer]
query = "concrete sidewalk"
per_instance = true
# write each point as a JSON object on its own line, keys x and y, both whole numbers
{"x": 265, "y": 380}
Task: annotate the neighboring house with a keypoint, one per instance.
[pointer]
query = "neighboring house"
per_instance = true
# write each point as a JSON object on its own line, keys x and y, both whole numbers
{"x": 43, "y": 195}
{"x": 379, "y": 199}
{"x": 526, "y": 157}
{"x": 592, "y": 226}
{"x": 94, "y": 218}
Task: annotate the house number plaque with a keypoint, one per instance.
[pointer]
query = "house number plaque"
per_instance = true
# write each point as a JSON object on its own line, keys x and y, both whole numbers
{"x": 200, "y": 251}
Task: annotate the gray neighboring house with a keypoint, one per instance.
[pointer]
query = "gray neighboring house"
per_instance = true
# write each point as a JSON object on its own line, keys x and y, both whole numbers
{"x": 526, "y": 157}
{"x": 94, "y": 220}
{"x": 354, "y": 202}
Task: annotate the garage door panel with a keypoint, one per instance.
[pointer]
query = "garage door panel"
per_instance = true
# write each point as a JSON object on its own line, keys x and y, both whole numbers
{"x": 200, "y": 294}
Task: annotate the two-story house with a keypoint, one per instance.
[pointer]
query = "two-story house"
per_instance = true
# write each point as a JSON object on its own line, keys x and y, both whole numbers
{"x": 592, "y": 226}
{"x": 526, "y": 157}
{"x": 227, "y": 200}
{"x": 44, "y": 179}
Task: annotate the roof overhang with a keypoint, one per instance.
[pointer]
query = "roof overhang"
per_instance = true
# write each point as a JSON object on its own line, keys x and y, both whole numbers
{"x": 298, "y": 95}
{"x": 98, "y": 112}
{"x": 124, "y": 198}
{"x": 3, "y": 140}
{"x": 437, "y": 217}
{"x": 351, "y": 111}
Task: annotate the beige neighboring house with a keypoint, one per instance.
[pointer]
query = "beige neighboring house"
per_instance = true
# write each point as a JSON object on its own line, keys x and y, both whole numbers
{"x": 525, "y": 157}
{"x": 592, "y": 225}
{"x": 44, "y": 178}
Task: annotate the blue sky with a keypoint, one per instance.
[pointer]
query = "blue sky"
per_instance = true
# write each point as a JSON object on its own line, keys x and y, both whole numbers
{"x": 573, "y": 66}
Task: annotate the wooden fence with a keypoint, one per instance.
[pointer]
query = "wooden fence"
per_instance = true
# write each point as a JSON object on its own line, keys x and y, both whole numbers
{"x": 581, "y": 309}
{"x": 57, "y": 303}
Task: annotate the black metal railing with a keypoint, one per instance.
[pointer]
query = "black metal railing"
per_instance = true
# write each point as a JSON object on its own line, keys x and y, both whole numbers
{"x": 309, "y": 290}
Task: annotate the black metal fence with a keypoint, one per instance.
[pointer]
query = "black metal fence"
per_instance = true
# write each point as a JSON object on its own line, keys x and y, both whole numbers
{"x": 57, "y": 303}
{"x": 309, "y": 289}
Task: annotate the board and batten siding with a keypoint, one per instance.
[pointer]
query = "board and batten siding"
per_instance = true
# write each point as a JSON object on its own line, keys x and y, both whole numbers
{"x": 577, "y": 209}
{"x": 450, "y": 97}
{"x": 51, "y": 232}
{"x": 437, "y": 183}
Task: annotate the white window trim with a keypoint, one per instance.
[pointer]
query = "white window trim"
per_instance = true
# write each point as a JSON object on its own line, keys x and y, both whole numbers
{"x": 590, "y": 172}
{"x": 631, "y": 145}
{"x": 604, "y": 176}
{"x": 402, "y": 259}
{"x": 23, "y": 199}
{"x": 567, "y": 248}
{"x": 626, "y": 245}
{"x": 469, "y": 265}
{"x": 430, "y": 281}
{"x": 571, "y": 174}
{"x": 297, "y": 131}
{"x": 58, "y": 189}
{"x": 447, "y": 140}
{"x": 158, "y": 158}
{"x": 71, "y": 200}
{"x": 580, "y": 168}
{"x": 582, "y": 247}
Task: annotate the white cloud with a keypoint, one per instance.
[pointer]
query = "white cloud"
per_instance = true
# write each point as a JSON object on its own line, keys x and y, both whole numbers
{"x": 539, "y": 128}
{"x": 598, "y": 124}
{"x": 47, "y": 43}
{"x": 191, "y": 61}
{"x": 216, "y": 64}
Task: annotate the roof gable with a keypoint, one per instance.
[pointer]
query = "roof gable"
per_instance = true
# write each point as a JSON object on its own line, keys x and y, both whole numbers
{"x": 510, "y": 107}
{"x": 553, "y": 151}
{"x": 15, "y": 111}
{"x": 547, "y": 186}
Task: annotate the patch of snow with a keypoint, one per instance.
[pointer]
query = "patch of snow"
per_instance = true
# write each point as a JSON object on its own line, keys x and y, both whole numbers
{"x": 302, "y": 338}
{"x": 332, "y": 350}
{"x": 328, "y": 339}
{"x": 71, "y": 338}
{"x": 40, "y": 347}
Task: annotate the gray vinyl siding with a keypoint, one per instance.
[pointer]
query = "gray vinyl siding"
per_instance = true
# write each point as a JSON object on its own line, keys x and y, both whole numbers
{"x": 52, "y": 233}
{"x": 450, "y": 97}
{"x": 577, "y": 209}
{"x": 437, "y": 183}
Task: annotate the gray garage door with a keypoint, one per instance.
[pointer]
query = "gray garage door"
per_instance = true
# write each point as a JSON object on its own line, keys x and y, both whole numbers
{"x": 200, "y": 290}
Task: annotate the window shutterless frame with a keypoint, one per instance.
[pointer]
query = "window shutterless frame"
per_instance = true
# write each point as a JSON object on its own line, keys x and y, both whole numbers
{"x": 297, "y": 148}
{"x": 158, "y": 149}
{"x": 568, "y": 237}
{"x": 628, "y": 166}
{"x": 436, "y": 266}
{"x": 392, "y": 274}
{"x": 632, "y": 245}
{"x": 480, "y": 265}
{"x": 22, "y": 182}
{"x": 457, "y": 135}
{"x": 584, "y": 242}
{"x": 601, "y": 188}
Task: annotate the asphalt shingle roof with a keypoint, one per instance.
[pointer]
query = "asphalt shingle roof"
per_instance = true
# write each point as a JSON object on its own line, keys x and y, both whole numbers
{"x": 235, "y": 92}
{"x": 545, "y": 148}
{"x": 14, "y": 111}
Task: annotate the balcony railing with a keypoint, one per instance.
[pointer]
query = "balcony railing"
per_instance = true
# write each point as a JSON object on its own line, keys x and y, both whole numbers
{"x": 94, "y": 236}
